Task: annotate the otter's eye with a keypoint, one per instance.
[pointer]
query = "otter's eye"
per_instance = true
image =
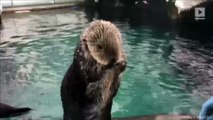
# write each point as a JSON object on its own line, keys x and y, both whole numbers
{"x": 84, "y": 40}
{"x": 99, "y": 47}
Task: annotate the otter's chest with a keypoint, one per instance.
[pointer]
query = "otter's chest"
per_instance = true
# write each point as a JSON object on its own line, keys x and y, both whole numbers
{"x": 104, "y": 89}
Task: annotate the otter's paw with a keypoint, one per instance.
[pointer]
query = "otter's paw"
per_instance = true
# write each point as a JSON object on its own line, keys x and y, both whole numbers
{"x": 121, "y": 66}
{"x": 93, "y": 89}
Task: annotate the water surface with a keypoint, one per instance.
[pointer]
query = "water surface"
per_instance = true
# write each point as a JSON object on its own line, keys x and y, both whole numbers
{"x": 166, "y": 74}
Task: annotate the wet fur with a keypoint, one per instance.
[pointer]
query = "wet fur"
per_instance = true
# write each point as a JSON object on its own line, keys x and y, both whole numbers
{"x": 93, "y": 79}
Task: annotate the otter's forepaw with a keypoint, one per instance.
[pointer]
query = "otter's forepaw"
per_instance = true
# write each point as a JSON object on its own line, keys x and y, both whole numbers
{"x": 121, "y": 65}
{"x": 92, "y": 90}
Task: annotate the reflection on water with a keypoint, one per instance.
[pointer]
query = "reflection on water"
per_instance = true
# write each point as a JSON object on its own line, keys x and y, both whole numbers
{"x": 165, "y": 74}
{"x": 195, "y": 60}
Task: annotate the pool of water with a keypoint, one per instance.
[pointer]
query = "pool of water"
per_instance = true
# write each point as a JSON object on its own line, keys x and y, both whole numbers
{"x": 166, "y": 74}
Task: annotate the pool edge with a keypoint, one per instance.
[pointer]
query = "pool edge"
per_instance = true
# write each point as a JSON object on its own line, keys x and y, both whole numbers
{"x": 42, "y": 7}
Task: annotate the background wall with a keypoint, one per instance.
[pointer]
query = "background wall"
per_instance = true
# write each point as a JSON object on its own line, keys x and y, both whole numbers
{"x": 14, "y": 3}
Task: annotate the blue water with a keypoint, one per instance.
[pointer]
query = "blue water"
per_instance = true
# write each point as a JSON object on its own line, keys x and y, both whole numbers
{"x": 166, "y": 74}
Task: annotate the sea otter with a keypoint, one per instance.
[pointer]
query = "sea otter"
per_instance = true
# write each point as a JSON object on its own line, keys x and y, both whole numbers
{"x": 93, "y": 79}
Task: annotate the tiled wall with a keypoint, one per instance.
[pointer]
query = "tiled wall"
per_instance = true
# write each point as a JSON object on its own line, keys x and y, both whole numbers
{"x": 13, "y": 3}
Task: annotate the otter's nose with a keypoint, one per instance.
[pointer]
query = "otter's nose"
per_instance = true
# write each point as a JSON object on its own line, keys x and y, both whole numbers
{"x": 111, "y": 63}
{"x": 113, "y": 60}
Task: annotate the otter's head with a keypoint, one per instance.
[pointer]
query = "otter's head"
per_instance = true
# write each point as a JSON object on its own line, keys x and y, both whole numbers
{"x": 103, "y": 42}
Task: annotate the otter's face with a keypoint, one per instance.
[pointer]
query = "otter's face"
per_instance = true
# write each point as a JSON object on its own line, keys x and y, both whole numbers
{"x": 104, "y": 42}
